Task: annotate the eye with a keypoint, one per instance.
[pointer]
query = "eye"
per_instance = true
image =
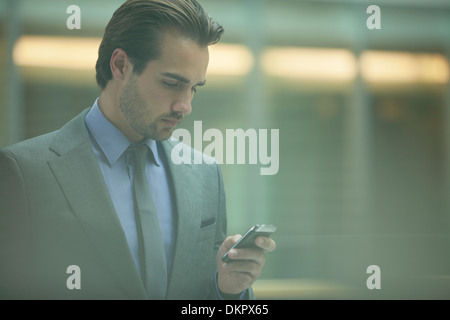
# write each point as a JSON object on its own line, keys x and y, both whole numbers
{"x": 194, "y": 89}
{"x": 170, "y": 84}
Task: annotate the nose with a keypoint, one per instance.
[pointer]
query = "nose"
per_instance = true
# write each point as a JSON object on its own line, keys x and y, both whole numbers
{"x": 183, "y": 103}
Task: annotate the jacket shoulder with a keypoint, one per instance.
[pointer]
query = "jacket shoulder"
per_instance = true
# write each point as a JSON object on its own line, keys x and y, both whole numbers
{"x": 71, "y": 134}
{"x": 30, "y": 146}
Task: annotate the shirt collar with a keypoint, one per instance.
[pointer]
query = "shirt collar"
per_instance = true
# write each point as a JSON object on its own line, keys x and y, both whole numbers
{"x": 111, "y": 140}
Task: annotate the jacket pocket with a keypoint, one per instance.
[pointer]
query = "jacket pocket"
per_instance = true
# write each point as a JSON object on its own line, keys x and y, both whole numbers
{"x": 207, "y": 233}
{"x": 207, "y": 222}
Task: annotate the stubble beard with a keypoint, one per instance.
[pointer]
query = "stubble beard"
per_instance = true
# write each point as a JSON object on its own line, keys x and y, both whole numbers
{"x": 138, "y": 115}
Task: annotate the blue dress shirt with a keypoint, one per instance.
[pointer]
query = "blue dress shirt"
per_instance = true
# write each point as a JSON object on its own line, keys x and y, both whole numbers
{"x": 109, "y": 145}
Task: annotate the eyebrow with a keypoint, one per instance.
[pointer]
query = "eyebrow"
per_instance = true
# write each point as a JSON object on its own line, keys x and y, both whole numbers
{"x": 181, "y": 78}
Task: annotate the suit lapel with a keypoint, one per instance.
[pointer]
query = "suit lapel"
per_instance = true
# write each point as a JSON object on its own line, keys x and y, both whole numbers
{"x": 82, "y": 182}
{"x": 188, "y": 222}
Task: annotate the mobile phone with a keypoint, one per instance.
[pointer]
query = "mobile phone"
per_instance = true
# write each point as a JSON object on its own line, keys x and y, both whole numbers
{"x": 248, "y": 239}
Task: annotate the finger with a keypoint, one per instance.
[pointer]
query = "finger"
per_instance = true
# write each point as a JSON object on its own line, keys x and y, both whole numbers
{"x": 229, "y": 242}
{"x": 252, "y": 254}
{"x": 248, "y": 267}
{"x": 265, "y": 243}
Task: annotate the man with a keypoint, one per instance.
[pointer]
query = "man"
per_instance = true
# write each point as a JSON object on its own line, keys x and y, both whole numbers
{"x": 71, "y": 220}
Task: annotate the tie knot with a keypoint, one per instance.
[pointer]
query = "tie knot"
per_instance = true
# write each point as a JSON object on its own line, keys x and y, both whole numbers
{"x": 139, "y": 155}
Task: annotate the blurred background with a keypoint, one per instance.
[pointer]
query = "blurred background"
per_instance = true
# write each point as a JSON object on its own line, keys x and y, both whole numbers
{"x": 363, "y": 129}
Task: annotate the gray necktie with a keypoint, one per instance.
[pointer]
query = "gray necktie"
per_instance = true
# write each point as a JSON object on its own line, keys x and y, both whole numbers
{"x": 151, "y": 251}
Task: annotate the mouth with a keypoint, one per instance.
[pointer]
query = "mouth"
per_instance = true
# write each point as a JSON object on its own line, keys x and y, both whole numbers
{"x": 171, "y": 122}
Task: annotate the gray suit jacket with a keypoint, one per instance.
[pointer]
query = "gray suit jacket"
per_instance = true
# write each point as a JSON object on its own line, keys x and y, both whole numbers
{"x": 55, "y": 211}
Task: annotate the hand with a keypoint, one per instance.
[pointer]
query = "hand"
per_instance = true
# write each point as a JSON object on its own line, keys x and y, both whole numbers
{"x": 245, "y": 266}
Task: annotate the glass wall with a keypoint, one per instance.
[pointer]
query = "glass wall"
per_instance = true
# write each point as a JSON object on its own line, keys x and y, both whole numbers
{"x": 359, "y": 98}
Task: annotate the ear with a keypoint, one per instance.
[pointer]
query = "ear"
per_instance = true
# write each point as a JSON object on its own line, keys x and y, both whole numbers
{"x": 120, "y": 64}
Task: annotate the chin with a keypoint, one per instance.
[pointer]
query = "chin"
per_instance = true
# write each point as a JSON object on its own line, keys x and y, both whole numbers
{"x": 162, "y": 135}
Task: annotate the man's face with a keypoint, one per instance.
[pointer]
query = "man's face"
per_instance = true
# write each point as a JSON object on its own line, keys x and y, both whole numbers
{"x": 156, "y": 101}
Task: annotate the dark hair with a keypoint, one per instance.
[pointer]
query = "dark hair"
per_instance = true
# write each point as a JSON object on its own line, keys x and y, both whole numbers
{"x": 138, "y": 26}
